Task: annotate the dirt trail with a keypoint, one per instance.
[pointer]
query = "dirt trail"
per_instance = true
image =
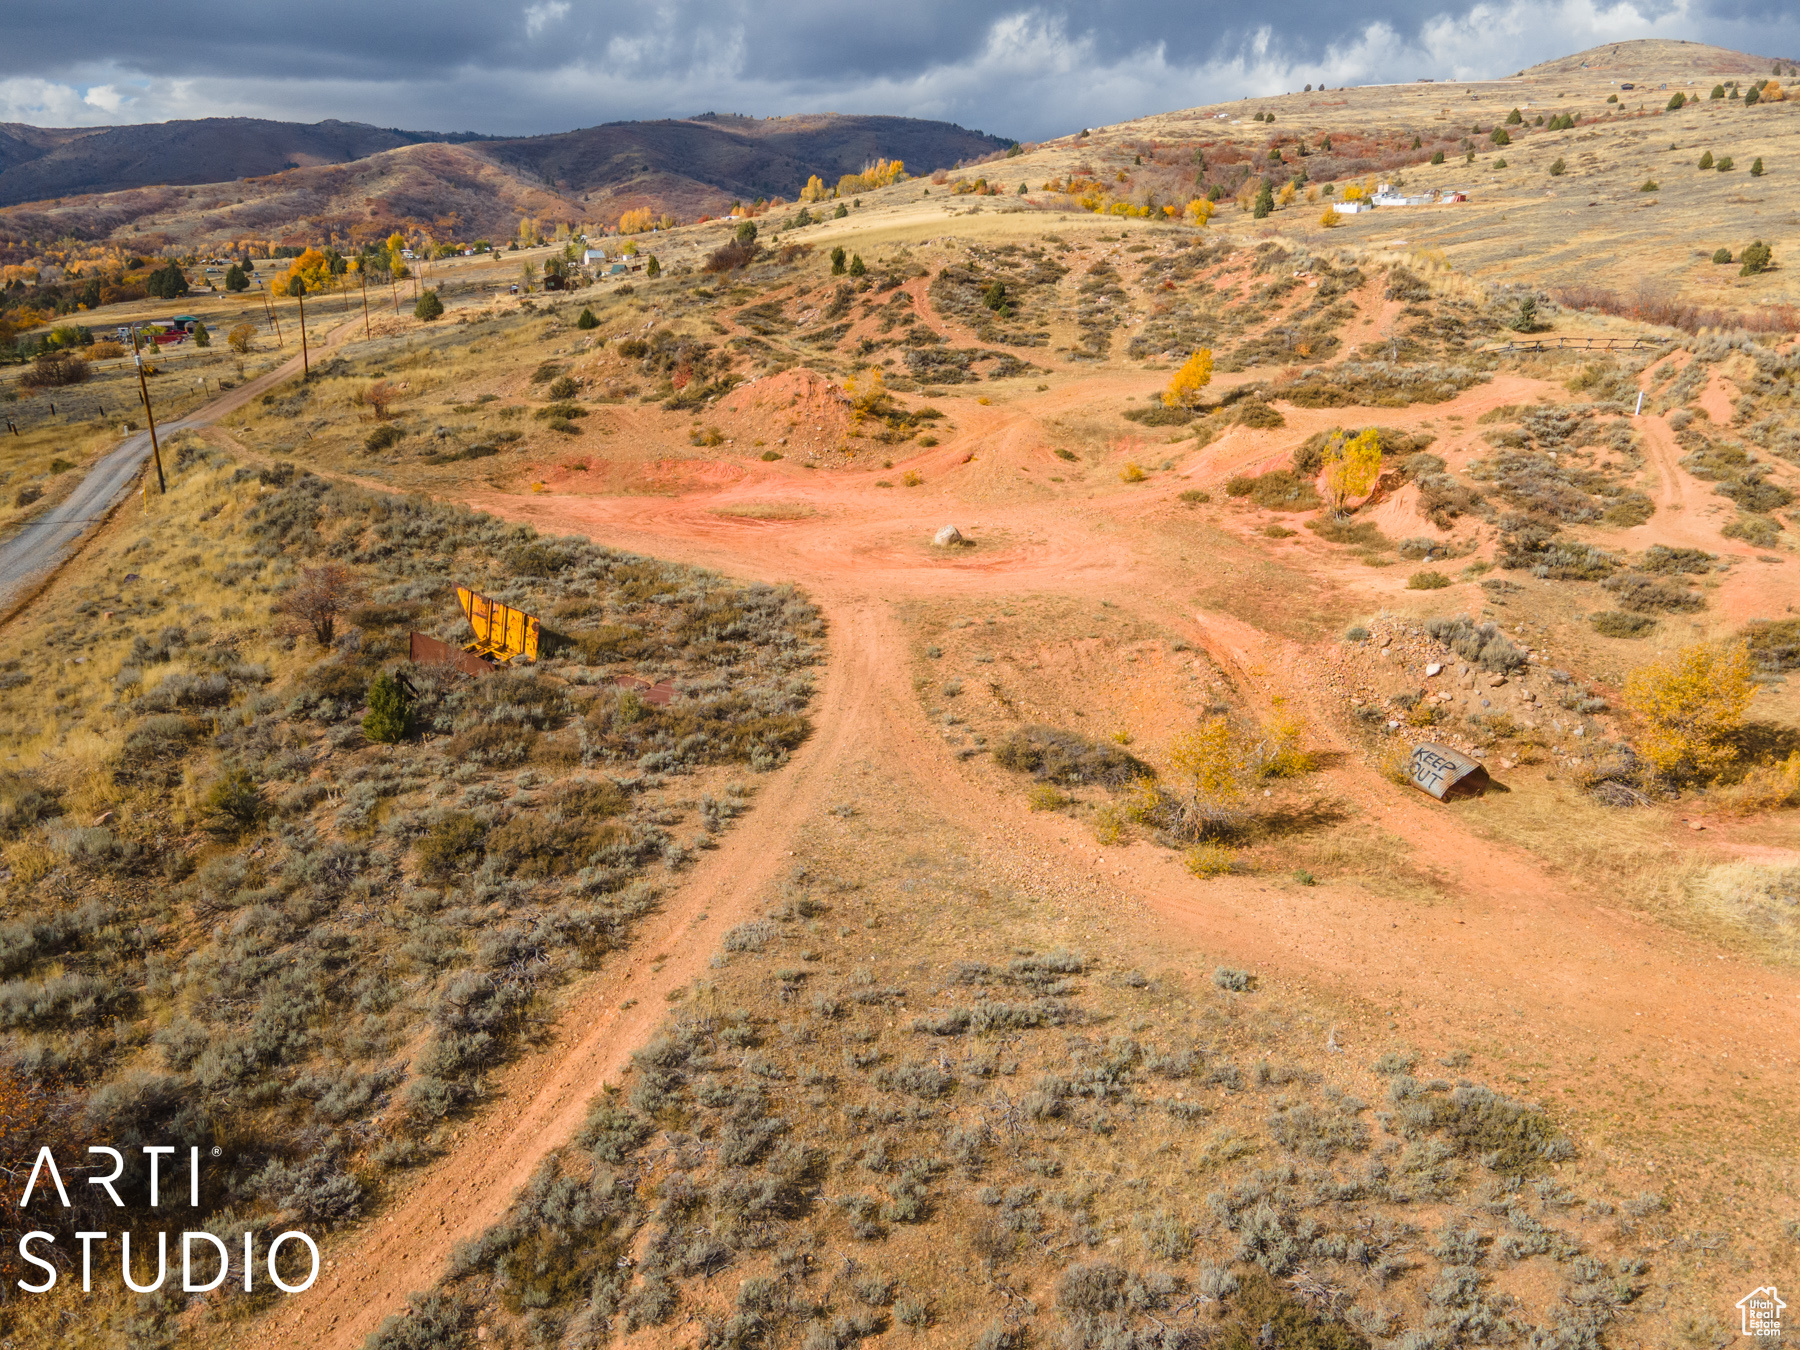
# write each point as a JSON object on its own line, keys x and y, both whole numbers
{"x": 542, "y": 1099}
{"x": 1567, "y": 923}
{"x": 1512, "y": 952}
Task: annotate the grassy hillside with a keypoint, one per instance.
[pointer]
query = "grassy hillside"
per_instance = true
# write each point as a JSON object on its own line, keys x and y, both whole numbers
{"x": 233, "y": 917}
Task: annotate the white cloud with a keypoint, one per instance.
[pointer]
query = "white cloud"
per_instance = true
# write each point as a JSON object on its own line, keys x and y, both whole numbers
{"x": 538, "y": 16}
{"x": 105, "y": 97}
{"x": 42, "y": 103}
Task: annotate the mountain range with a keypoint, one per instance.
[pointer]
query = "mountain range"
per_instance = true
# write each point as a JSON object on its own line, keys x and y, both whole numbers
{"x": 213, "y": 180}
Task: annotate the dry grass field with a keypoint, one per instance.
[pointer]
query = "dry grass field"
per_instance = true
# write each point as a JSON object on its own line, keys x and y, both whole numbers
{"x": 1021, "y": 942}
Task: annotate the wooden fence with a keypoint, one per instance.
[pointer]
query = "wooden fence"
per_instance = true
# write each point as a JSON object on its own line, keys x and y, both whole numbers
{"x": 1581, "y": 344}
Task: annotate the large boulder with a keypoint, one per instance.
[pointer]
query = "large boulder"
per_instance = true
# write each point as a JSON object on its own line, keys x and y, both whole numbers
{"x": 948, "y": 537}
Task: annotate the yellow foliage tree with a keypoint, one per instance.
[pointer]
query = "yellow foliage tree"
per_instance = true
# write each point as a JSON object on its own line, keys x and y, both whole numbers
{"x": 1199, "y": 211}
{"x": 866, "y": 391}
{"x": 1286, "y": 196}
{"x": 882, "y": 173}
{"x": 1691, "y": 705}
{"x": 1210, "y": 761}
{"x": 1351, "y": 467}
{"x": 1278, "y": 753}
{"x": 815, "y": 190}
{"x": 1194, "y": 375}
{"x": 636, "y": 222}
{"x": 312, "y": 268}
{"x": 1331, "y": 219}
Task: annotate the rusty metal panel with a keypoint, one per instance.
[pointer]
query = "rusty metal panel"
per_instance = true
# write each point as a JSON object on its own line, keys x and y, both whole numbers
{"x": 1445, "y": 773}
{"x": 658, "y": 694}
{"x": 429, "y": 651}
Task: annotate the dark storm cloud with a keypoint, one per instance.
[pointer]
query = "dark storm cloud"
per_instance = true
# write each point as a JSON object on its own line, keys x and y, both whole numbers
{"x": 1030, "y": 70}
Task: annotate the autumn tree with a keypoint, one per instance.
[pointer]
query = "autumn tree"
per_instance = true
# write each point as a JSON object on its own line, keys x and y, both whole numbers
{"x": 314, "y": 601}
{"x": 378, "y": 397}
{"x": 1195, "y": 374}
{"x": 636, "y": 222}
{"x": 867, "y": 391}
{"x": 308, "y": 274}
{"x": 1211, "y": 764}
{"x": 240, "y": 337}
{"x": 1691, "y": 706}
{"x": 1351, "y": 467}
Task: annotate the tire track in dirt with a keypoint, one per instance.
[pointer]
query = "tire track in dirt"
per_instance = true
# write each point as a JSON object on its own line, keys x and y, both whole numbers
{"x": 1512, "y": 924}
{"x": 542, "y": 1099}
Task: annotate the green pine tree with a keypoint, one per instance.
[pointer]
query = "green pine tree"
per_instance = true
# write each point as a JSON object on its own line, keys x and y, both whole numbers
{"x": 389, "y": 718}
{"x": 429, "y": 306}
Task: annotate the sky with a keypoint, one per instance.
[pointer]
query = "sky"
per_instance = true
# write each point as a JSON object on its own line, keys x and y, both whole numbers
{"x": 1029, "y": 71}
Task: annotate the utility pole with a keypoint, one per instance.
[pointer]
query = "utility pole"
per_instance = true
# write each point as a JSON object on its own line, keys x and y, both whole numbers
{"x": 363, "y": 272}
{"x": 162, "y": 484}
{"x": 269, "y": 309}
{"x": 298, "y": 287}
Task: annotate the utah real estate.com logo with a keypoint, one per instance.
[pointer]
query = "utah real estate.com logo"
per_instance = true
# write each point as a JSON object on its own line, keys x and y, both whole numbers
{"x": 1761, "y": 1311}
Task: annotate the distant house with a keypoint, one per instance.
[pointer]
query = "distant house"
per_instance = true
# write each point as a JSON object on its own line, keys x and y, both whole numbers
{"x": 1352, "y": 208}
{"x": 1385, "y": 195}
{"x": 591, "y": 256}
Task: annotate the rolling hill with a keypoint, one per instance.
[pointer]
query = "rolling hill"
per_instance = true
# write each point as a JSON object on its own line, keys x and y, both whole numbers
{"x": 202, "y": 184}
{"x": 42, "y": 162}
